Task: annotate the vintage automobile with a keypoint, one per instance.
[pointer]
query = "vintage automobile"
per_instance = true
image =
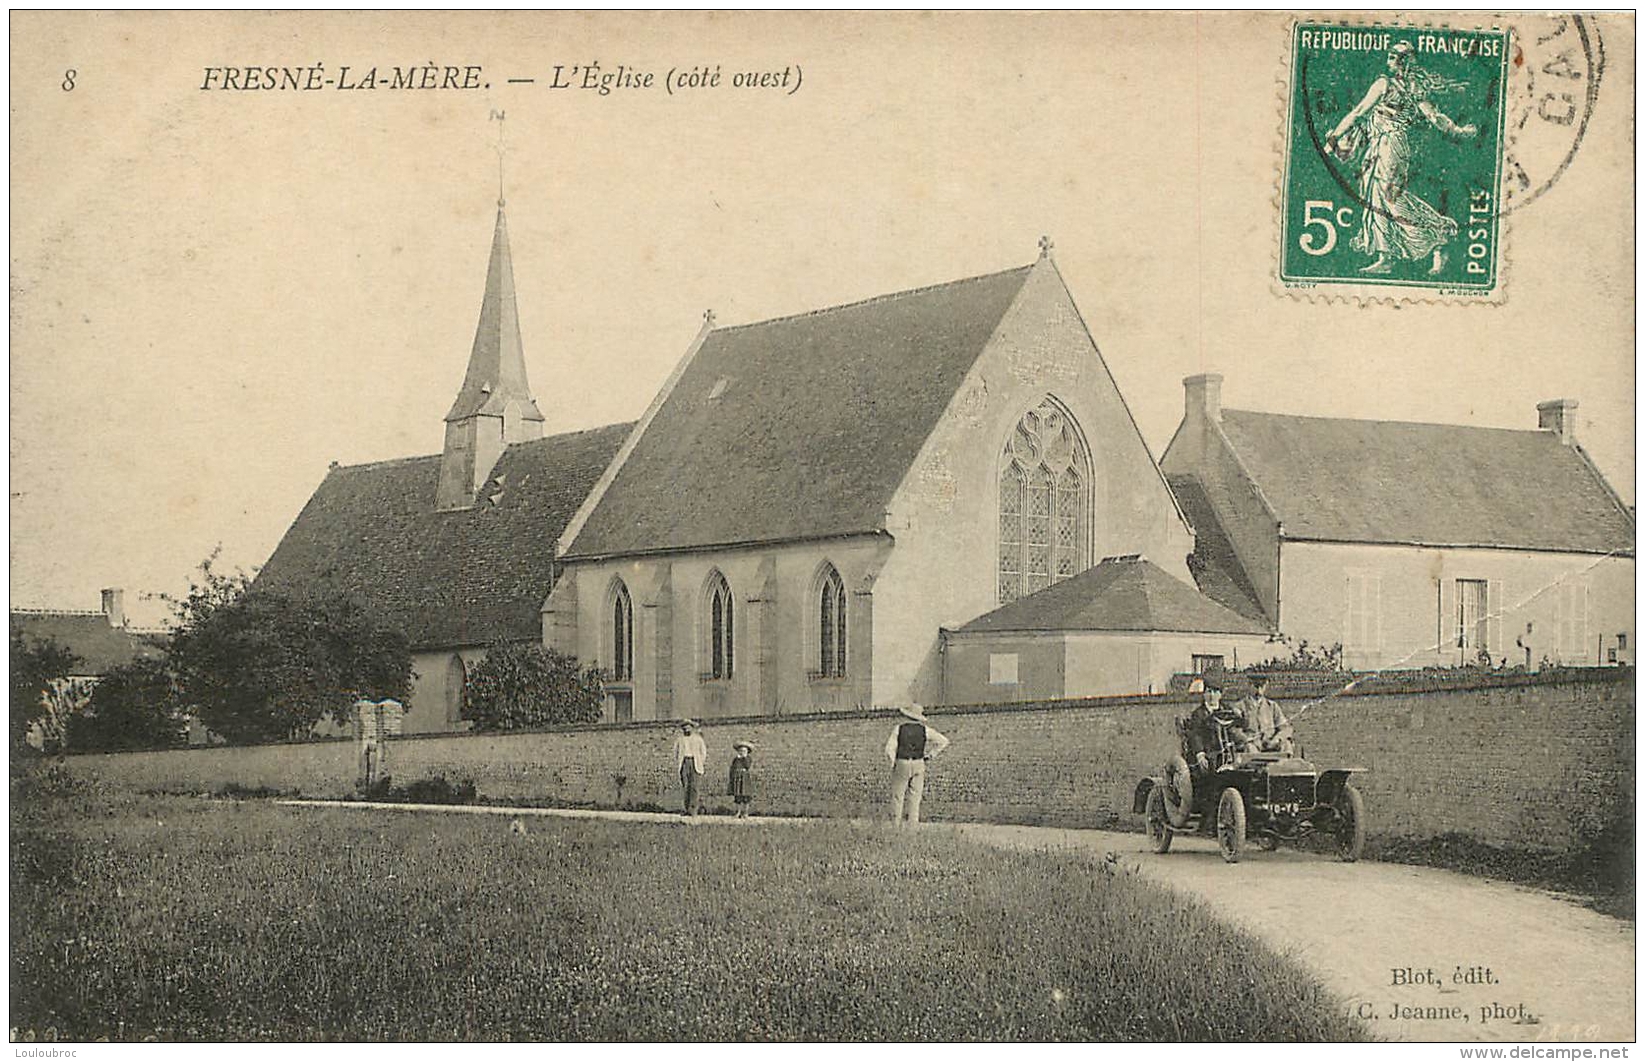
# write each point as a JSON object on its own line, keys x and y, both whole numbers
{"x": 1266, "y": 797}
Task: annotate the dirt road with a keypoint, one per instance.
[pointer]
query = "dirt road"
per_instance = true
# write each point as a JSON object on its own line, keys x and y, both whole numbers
{"x": 1420, "y": 954}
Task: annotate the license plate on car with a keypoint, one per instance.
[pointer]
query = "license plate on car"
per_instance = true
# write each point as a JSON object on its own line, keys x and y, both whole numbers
{"x": 1285, "y": 807}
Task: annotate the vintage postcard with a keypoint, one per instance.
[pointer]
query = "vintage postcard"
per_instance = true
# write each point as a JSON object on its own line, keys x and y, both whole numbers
{"x": 691, "y": 527}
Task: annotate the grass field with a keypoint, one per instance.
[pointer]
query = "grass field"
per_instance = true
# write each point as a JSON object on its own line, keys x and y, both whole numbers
{"x": 188, "y": 919}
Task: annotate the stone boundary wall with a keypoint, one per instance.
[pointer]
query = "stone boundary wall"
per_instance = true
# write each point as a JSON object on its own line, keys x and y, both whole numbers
{"x": 1528, "y": 761}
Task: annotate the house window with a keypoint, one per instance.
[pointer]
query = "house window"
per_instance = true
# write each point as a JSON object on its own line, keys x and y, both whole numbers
{"x": 1045, "y": 483}
{"x": 831, "y": 625}
{"x": 1473, "y": 615}
{"x": 1207, "y": 664}
{"x": 621, "y": 650}
{"x": 720, "y": 644}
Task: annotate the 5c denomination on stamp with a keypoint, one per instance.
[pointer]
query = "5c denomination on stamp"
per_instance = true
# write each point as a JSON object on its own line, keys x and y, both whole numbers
{"x": 1394, "y": 159}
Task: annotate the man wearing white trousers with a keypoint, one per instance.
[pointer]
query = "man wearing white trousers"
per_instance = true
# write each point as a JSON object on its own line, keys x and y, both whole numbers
{"x": 908, "y": 748}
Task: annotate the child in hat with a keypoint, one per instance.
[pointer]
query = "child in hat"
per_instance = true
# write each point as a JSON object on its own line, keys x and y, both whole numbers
{"x": 741, "y": 787}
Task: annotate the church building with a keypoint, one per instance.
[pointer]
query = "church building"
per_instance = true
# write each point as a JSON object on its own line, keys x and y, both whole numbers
{"x": 803, "y": 510}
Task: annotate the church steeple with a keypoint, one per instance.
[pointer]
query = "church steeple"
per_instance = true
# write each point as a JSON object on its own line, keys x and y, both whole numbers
{"x": 494, "y": 408}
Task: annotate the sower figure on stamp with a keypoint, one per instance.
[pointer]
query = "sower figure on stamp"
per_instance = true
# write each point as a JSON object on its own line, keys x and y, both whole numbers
{"x": 908, "y": 748}
{"x": 690, "y": 757}
{"x": 1394, "y": 223}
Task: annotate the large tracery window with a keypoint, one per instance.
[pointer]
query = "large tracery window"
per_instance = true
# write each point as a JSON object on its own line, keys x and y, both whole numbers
{"x": 1045, "y": 522}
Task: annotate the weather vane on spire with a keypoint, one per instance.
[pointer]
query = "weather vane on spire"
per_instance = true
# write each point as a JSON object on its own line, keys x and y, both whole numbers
{"x": 499, "y": 116}
{"x": 1045, "y": 246}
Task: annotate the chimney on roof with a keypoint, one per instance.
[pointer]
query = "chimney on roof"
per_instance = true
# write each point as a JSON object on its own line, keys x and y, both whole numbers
{"x": 1203, "y": 395}
{"x": 1558, "y": 415}
{"x": 114, "y": 606}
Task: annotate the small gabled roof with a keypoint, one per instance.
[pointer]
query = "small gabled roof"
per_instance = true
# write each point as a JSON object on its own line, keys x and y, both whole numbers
{"x": 100, "y": 647}
{"x": 1120, "y": 594}
{"x": 465, "y": 578}
{"x": 799, "y": 427}
{"x": 1331, "y": 479}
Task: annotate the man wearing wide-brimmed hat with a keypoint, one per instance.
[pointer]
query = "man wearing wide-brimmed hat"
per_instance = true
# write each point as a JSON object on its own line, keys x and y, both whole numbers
{"x": 908, "y": 748}
{"x": 690, "y": 757}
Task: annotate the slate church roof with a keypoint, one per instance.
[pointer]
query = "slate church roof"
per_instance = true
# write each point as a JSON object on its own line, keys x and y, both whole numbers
{"x": 798, "y": 427}
{"x": 1120, "y": 594}
{"x": 1339, "y": 480}
{"x": 469, "y": 577}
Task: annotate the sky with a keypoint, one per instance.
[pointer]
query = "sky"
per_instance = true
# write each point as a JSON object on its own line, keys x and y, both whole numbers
{"x": 217, "y": 293}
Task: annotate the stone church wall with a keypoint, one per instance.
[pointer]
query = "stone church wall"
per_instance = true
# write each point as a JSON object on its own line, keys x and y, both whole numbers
{"x": 1541, "y": 761}
{"x": 945, "y": 516}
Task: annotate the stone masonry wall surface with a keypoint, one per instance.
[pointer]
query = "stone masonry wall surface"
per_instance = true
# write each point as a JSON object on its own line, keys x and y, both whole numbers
{"x": 1541, "y": 764}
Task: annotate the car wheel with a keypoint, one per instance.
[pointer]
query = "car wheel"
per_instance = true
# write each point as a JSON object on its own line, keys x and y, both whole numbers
{"x": 1231, "y": 824}
{"x": 1350, "y": 824}
{"x": 1159, "y": 828}
{"x": 1179, "y": 792}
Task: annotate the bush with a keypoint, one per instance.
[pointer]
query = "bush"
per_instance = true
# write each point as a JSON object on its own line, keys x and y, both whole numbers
{"x": 134, "y": 706}
{"x": 35, "y": 667}
{"x": 258, "y": 666}
{"x": 435, "y": 790}
{"x": 522, "y": 684}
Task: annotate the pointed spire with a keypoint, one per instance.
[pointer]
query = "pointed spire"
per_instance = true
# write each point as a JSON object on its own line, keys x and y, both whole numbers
{"x": 496, "y": 366}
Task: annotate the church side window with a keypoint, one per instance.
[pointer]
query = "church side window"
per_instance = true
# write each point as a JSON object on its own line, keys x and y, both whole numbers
{"x": 622, "y": 635}
{"x": 831, "y": 625}
{"x": 721, "y": 629}
{"x": 1045, "y": 522}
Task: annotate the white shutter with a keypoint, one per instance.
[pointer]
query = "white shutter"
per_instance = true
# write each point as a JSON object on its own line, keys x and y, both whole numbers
{"x": 1494, "y": 602}
{"x": 1446, "y": 643}
{"x": 1350, "y": 611}
{"x": 1590, "y": 644}
{"x": 1373, "y": 586}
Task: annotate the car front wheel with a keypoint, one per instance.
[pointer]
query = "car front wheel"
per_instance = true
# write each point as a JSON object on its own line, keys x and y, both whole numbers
{"x": 1231, "y": 824}
{"x": 1159, "y": 827}
{"x": 1350, "y": 824}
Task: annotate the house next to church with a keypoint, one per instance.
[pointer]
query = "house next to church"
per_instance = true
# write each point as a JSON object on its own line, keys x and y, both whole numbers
{"x": 1410, "y": 544}
{"x": 802, "y": 510}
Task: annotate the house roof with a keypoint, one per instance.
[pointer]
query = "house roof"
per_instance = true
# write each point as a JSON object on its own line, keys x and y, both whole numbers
{"x": 88, "y": 635}
{"x": 799, "y": 427}
{"x": 469, "y": 577}
{"x": 1428, "y": 484}
{"x": 1120, "y": 594}
{"x": 1215, "y": 566}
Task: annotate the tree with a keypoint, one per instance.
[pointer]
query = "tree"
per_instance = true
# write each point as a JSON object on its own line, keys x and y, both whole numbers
{"x": 258, "y": 666}
{"x": 135, "y": 706}
{"x": 522, "y": 684}
{"x": 35, "y": 667}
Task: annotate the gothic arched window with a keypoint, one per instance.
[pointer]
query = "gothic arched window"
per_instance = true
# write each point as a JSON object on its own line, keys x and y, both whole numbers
{"x": 620, "y": 650}
{"x": 720, "y": 643}
{"x": 830, "y": 624}
{"x": 1045, "y": 520}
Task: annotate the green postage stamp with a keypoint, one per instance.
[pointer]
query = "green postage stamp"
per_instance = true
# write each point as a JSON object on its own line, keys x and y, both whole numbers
{"x": 1393, "y": 159}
